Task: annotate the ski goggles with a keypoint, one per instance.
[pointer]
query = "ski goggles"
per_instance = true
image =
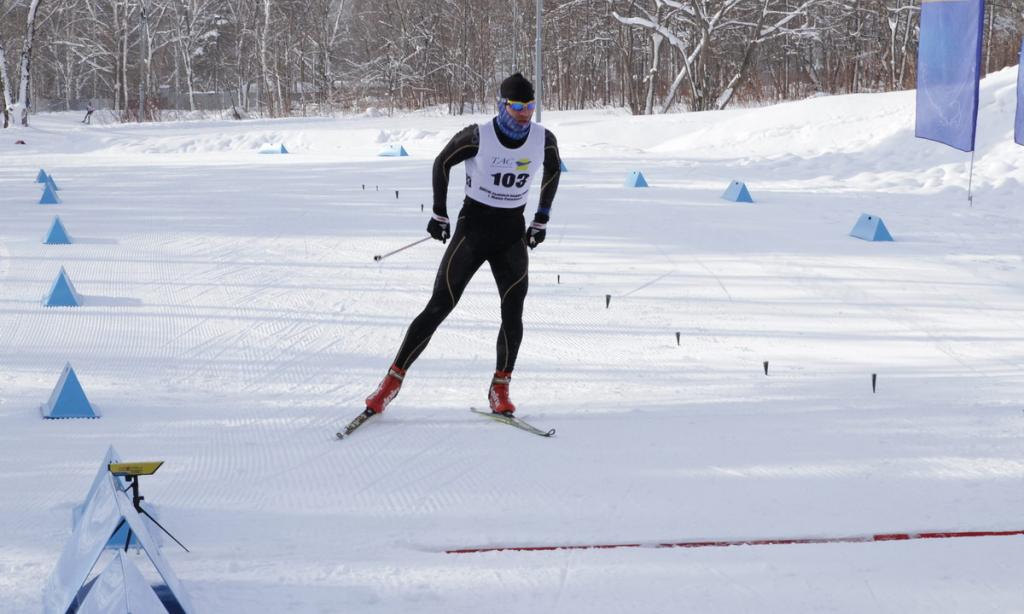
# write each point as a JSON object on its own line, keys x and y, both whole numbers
{"x": 515, "y": 105}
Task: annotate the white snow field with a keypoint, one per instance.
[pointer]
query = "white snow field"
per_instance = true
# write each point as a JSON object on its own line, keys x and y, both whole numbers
{"x": 234, "y": 319}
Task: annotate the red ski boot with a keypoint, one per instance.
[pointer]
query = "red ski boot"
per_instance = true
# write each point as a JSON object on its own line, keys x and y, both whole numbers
{"x": 387, "y": 390}
{"x": 497, "y": 396}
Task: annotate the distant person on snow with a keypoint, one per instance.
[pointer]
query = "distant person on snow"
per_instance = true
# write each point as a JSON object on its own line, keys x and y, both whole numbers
{"x": 89, "y": 110}
{"x": 503, "y": 156}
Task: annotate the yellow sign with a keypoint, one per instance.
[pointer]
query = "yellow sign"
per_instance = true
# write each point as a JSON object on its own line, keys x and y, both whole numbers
{"x": 137, "y": 468}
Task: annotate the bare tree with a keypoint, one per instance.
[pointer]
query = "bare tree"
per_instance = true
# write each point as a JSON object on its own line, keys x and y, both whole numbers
{"x": 283, "y": 57}
{"x": 702, "y": 31}
{"x": 5, "y": 87}
{"x": 21, "y": 107}
{"x": 191, "y": 19}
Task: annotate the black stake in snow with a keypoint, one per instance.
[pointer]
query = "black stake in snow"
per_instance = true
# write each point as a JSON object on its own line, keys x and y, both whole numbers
{"x": 364, "y": 186}
{"x": 874, "y": 380}
{"x": 378, "y": 257}
{"x": 421, "y": 207}
{"x": 677, "y": 338}
{"x": 766, "y": 367}
{"x": 559, "y": 278}
{"x": 607, "y": 300}
{"x": 396, "y": 194}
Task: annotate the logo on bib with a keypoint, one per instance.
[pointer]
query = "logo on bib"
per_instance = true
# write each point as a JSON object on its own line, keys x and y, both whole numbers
{"x": 522, "y": 164}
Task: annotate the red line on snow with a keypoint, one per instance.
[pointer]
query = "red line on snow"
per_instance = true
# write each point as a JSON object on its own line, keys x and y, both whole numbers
{"x": 723, "y": 543}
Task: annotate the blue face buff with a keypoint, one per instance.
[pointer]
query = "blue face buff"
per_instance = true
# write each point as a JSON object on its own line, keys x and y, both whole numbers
{"x": 509, "y": 126}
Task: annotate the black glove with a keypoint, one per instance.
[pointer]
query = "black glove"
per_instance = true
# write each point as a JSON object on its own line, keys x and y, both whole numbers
{"x": 535, "y": 234}
{"x": 438, "y": 228}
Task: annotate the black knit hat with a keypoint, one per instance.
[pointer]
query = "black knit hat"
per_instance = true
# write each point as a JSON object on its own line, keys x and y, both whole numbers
{"x": 516, "y": 87}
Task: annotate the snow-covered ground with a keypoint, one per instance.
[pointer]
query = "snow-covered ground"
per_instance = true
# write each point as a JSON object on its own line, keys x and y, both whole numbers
{"x": 235, "y": 318}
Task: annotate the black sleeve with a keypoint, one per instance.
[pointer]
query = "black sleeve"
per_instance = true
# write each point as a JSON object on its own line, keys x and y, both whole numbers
{"x": 462, "y": 147}
{"x": 552, "y": 172}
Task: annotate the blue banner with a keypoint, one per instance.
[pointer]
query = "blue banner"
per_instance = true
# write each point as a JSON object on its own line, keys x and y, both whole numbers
{"x": 1018, "y": 133}
{"x": 948, "y": 70}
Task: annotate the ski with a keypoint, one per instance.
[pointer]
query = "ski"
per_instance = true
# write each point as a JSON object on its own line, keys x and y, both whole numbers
{"x": 513, "y": 421}
{"x": 356, "y": 423}
{"x": 509, "y": 420}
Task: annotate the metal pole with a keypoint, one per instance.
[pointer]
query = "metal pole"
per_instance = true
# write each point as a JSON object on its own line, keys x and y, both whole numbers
{"x": 378, "y": 257}
{"x": 970, "y": 183}
{"x": 538, "y": 65}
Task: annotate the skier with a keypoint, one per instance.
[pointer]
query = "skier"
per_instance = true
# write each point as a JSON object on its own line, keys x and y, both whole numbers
{"x": 89, "y": 110}
{"x": 502, "y": 156}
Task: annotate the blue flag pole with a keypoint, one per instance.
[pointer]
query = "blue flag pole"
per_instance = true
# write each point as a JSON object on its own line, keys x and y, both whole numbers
{"x": 970, "y": 183}
{"x": 1018, "y": 132}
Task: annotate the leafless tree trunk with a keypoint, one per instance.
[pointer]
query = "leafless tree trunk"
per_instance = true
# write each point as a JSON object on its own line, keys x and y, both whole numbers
{"x": 24, "y": 103}
{"x": 5, "y": 87}
{"x": 266, "y": 82}
{"x": 145, "y": 51}
{"x": 652, "y": 74}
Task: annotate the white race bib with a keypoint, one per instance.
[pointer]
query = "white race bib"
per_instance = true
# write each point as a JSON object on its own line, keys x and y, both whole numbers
{"x": 499, "y": 176}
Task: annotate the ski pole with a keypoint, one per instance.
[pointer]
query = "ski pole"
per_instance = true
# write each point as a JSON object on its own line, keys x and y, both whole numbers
{"x": 378, "y": 257}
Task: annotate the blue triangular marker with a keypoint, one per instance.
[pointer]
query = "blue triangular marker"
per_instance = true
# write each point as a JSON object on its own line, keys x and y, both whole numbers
{"x": 871, "y": 228}
{"x": 273, "y": 148}
{"x": 49, "y": 196}
{"x": 393, "y": 151}
{"x": 41, "y": 177}
{"x": 68, "y": 400}
{"x": 58, "y": 235}
{"x": 636, "y": 180}
{"x": 737, "y": 192}
{"x": 53, "y": 184}
{"x": 561, "y": 166}
{"x": 63, "y": 293}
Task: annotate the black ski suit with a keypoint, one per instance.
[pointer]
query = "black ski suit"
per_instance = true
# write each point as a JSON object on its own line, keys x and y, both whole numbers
{"x": 482, "y": 234}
